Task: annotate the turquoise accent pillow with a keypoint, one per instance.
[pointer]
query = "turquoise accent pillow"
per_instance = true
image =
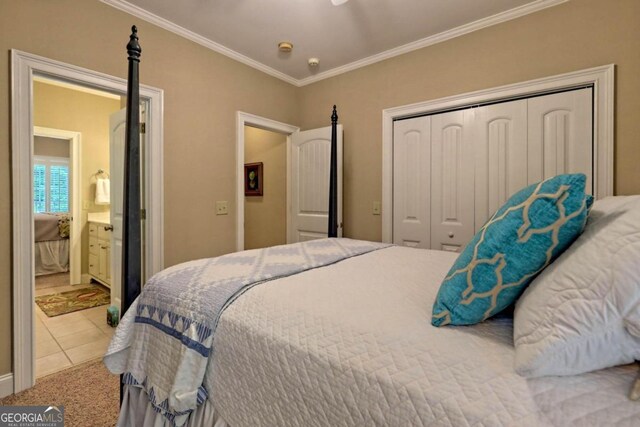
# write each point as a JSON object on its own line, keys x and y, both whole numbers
{"x": 524, "y": 236}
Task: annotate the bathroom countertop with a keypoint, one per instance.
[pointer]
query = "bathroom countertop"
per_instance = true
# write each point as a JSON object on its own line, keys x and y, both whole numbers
{"x": 99, "y": 218}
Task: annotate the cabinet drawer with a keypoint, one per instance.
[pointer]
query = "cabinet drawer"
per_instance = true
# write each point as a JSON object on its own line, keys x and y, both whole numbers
{"x": 93, "y": 229}
{"x": 94, "y": 268}
{"x": 93, "y": 245}
{"x": 104, "y": 234}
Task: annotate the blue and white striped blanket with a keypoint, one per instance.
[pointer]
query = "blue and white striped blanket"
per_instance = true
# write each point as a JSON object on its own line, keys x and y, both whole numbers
{"x": 164, "y": 341}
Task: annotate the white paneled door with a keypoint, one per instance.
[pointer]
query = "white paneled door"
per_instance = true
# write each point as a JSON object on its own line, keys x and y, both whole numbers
{"x": 412, "y": 177}
{"x": 453, "y": 170}
{"x": 560, "y": 135}
{"x": 452, "y": 197}
{"x": 310, "y": 165}
{"x": 499, "y": 134}
{"x": 117, "y": 124}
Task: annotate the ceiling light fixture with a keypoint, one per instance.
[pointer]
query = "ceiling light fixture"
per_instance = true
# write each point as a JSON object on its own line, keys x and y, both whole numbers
{"x": 338, "y": 2}
{"x": 313, "y": 62}
{"x": 285, "y": 46}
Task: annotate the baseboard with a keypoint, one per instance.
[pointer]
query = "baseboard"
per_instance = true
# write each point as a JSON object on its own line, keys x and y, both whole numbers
{"x": 86, "y": 278}
{"x": 6, "y": 385}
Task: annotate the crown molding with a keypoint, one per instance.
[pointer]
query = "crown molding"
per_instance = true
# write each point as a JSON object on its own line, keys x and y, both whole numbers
{"x": 498, "y": 18}
{"x": 436, "y": 38}
{"x": 203, "y": 41}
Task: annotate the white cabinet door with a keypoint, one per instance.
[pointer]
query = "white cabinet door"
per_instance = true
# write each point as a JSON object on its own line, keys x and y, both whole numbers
{"x": 499, "y": 134}
{"x": 411, "y": 181}
{"x": 310, "y": 165}
{"x": 561, "y": 135}
{"x": 117, "y": 123}
{"x": 452, "y": 181}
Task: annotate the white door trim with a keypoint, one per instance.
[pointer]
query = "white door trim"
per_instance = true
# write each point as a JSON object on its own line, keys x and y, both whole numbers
{"x": 602, "y": 79}
{"x": 74, "y": 139}
{"x": 23, "y": 68}
{"x": 247, "y": 119}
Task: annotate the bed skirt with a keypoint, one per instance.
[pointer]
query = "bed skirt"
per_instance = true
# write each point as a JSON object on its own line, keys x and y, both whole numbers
{"x": 51, "y": 257}
{"x": 136, "y": 411}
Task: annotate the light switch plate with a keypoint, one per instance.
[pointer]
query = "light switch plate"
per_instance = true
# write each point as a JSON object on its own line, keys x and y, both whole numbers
{"x": 377, "y": 209}
{"x": 222, "y": 207}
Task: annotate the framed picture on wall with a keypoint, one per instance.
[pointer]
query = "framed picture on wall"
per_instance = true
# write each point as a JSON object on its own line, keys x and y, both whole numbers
{"x": 253, "y": 179}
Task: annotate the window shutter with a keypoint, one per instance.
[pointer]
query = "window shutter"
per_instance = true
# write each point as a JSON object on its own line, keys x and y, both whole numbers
{"x": 50, "y": 184}
{"x": 39, "y": 188}
{"x": 59, "y": 188}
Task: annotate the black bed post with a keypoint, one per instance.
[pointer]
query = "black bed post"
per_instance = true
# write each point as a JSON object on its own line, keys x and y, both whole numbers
{"x": 333, "y": 177}
{"x": 131, "y": 238}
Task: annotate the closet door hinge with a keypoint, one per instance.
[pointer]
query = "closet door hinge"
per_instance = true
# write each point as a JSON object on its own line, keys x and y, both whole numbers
{"x": 143, "y": 214}
{"x": 143, "y": 127}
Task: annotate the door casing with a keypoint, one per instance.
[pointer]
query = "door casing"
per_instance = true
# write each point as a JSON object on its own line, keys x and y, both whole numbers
{"x": 75, "y": 151}
{"x": 247, "y": 119}
{"x": 24, "y": 66}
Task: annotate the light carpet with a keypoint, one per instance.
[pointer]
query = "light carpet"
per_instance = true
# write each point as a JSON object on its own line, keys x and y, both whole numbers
{"x": 89, "y": 393}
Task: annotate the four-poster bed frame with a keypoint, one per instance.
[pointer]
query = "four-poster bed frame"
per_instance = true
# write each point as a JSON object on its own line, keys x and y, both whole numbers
{"x": 131, "y": 238}
{"x": 299, "y": 353}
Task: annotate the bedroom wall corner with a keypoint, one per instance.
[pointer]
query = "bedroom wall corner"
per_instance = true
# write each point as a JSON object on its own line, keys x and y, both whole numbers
{"x": 575, "y": 35}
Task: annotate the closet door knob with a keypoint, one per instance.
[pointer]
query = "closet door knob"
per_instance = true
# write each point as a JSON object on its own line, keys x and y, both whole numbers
{"x": 451, "y": 234}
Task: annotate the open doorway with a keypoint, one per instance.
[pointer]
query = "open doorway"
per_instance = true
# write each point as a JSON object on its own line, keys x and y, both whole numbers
{"x": 27, "y": 69}
{"x": 71, "y": 206}
{"x": 260, "y": 129}
{"x": 265, "y": 175}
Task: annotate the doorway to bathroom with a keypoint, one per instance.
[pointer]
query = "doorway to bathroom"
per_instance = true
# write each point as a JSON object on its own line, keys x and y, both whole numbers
{"x": 71, "y": 189}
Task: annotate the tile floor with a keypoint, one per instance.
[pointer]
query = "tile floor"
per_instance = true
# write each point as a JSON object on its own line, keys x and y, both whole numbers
{"x": 69, "y": 339}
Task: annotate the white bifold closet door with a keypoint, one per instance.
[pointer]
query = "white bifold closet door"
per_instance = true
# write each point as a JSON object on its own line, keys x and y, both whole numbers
{"x": 500, "y": 151}
{"x": 560, "y": 135}
{"x": 451, "y": 175}
{"x": 411, "y": 182}
{"x": 453, "y": 170}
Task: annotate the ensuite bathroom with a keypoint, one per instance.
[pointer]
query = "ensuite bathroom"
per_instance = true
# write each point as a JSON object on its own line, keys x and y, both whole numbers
{"x": 73, "y": 230}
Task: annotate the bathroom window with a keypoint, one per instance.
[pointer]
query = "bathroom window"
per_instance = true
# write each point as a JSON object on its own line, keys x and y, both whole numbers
{"x": 50, "y": 184}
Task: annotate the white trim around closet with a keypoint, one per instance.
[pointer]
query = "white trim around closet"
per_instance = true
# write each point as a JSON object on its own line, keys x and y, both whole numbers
{"x": 24, "y": 66}
{"x": 602, "y": 79}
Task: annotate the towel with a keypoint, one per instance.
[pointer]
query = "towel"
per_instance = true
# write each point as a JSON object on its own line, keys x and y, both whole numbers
{"x": 103, "y": 188}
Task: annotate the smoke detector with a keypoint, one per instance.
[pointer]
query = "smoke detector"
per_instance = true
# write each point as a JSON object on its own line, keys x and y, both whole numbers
{"x": 313, "y": 62}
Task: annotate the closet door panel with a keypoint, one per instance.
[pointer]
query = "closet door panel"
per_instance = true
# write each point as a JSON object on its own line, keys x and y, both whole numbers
{"x": 452, "y": 176}
{"x": 500, "y": 146}
{"x": 561, "y": 135}
{"x": 411, "y": 176}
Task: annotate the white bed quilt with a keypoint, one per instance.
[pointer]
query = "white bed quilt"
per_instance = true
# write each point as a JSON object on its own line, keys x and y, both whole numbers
{"x": 352, "y": 345}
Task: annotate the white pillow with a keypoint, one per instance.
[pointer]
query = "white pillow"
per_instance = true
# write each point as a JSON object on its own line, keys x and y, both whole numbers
{"x": 582, "y": 312}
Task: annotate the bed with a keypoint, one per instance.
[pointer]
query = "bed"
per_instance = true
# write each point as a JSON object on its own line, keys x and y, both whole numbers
{"x": 51, "y": 249}
{"x": 331, "y": 332}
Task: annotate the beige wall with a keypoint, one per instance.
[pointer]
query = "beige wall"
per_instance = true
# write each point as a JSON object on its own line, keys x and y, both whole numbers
{"x": 50, "y": 147}
{"x": 576, "y": 35}
{"x": 61, "y": 108}
{"x": 203, "y": 91}
{"x": 265, "y": 221}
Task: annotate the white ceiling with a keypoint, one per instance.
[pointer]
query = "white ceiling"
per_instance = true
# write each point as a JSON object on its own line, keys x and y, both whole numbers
{"x": 343, "y": 37}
